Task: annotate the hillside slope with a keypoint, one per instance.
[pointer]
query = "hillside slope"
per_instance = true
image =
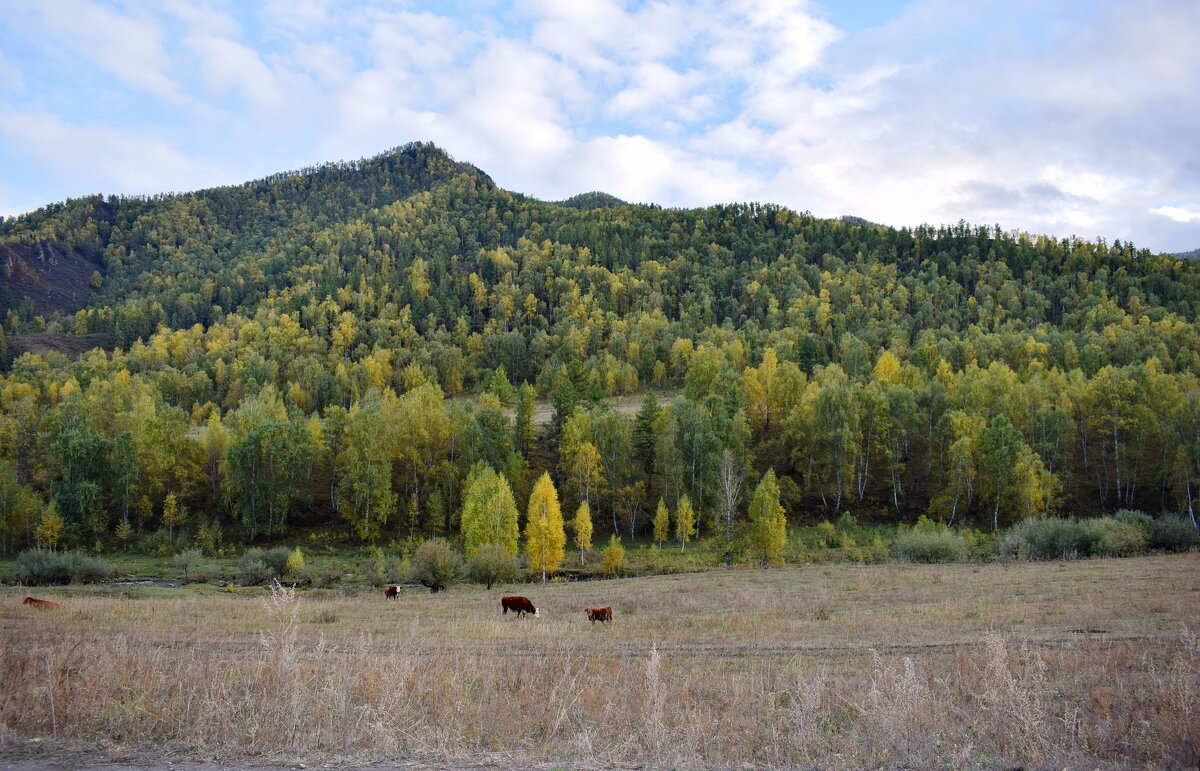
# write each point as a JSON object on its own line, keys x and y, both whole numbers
{"x": 322, "y": 316}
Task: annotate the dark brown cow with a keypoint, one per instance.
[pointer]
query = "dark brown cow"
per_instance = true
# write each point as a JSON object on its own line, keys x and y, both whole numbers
{"x": 43, "y": 604}
{"x": 391, "y": 593}
{"x": 519, "y": 605}
{"x": 599, "y": 614}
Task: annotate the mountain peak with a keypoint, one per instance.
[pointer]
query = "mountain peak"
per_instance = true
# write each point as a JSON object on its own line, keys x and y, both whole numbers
{"x": 593, "y": 200}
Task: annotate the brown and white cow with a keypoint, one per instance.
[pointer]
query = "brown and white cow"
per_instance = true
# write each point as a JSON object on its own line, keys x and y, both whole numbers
{"x": 42, "y": 604}
{"x": 519, "y": 605}
{"x": 391, "y": 593}
{"x": 599, "y": 614}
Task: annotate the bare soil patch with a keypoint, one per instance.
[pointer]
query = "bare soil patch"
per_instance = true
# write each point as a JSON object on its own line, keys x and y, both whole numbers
{"x": 71, "y": 346}
{"x": 54, "y": 278}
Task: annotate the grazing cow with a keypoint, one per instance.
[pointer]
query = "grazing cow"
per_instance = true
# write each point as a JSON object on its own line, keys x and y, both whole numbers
{"x": 391, "y": 593}
{"x": 519, "y": 605}
{"x": 599, "y": 614}
{"x": 42, "y": 604}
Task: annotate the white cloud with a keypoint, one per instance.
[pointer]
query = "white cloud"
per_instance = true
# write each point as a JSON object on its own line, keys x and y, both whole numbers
{"x": 1042, "y": 117}
{"x": 200, "y": 17}
{"x": 230, "y": 65}
{"x": 87, "y": 158}
{"x": 298, "y": 15}
{"x": 1177, "y": 213}
{"x": 603, "y": 36}
{"x": 656, "y": 88}
{"x": 129, "y": 46}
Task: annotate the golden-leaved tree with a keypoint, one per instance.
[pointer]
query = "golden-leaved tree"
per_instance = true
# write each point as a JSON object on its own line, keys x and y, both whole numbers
{"x": 545, "y": 539}
{"x": 583, "y": 529}
{"x": 685, "y": 521}
{"x": 768, "y": 524}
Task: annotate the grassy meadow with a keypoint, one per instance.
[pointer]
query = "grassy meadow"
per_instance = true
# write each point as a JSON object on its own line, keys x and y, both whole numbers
{"x": 835, "y": 665}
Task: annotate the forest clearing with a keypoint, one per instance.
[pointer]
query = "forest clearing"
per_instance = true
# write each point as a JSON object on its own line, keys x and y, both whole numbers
{"x": 972, "y": 665}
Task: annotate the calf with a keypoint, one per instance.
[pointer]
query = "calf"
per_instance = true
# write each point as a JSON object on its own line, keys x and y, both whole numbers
{"x": 519, "y": 605}
{"x": 42, "y": 604}
{"x": 391, "y": 593}
{"x": 599, "y": 614}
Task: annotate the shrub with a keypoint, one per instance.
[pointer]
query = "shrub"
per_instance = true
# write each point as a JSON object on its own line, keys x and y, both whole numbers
{"x": 273, "y": 560}
{"x": 383, "y": 567}
{"x": 826, "y": 533}
{"x": 1174, "y": 534}
{"x": 923, "y": 545}
{"x": 1112, "y": 538}
{"x": 1052, "y": 538}
{"x": 847, "y": 523}
{"x": 251, "y": 572}
{"x": 927, "y": 525}
{"x": 435, "y": 564}
{"x": 1047, "y": 538}
{"x": 86, "y": 569}
{"x": 294, "y": 564}
{"x": 42, "y": 567}
{"x": 491, "y": 564}
{"x": 981, "y": 545}
{"x": 613, "y": 556}
{"x": 161, "y": 543}
{"x": 1139, "y": 519}
{"x": 193, "y": 565}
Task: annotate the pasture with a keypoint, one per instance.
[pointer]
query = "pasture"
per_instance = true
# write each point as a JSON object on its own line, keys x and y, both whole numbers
{"x": 968, "y": 665}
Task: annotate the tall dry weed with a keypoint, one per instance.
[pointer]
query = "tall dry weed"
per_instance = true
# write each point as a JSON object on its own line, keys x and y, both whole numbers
{"x": 898, "y": 710}
{"x": 1012, "y": 691}
{"x": 655, "y": 696}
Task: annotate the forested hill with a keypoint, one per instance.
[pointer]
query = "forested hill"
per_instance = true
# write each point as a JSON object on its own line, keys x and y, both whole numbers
{"x": 313, "y": 322}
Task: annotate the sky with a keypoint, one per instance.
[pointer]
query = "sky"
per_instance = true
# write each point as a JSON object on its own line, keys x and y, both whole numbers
{"x": 1063, "y": 117}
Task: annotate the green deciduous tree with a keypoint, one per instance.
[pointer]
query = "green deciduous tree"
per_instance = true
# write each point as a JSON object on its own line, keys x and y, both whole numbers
{"x": 262, "y": 472}
{"x": 489, "y": 514}
{"x": 1000, "y": 446}
{"x": 365, "y": 496}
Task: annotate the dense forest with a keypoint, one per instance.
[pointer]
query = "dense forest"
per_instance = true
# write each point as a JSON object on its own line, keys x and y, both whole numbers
{"x": 344, "y": 348}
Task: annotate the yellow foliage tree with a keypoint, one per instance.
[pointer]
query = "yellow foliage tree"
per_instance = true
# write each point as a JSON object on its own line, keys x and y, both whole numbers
{"x": 173, "y": 514}
{"x": 545, "y": 539}
{"x": 759, "y": 383}
{"x": 685, "y": 521}
{"x": 887, "y": 368}
{"x": 587, "y": 471}
{"x": 50, "y": 528}
{"x": 768, "y": 523}
{"x": 583, "y": 529}
{"x": 662, "y": 523}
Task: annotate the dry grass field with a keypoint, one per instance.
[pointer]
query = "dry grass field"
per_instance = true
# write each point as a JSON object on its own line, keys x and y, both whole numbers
{"x": 1090, "y": 663}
